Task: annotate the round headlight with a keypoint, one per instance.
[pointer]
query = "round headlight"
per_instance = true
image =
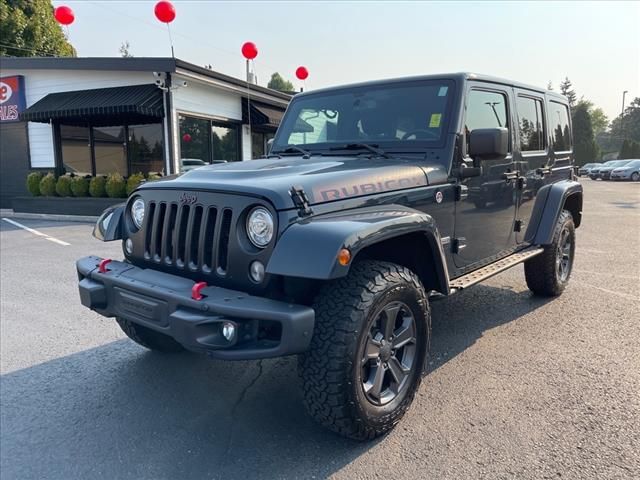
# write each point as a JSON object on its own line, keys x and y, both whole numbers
{"x": 137, "y": 212}
{"x": 260, "y": 227}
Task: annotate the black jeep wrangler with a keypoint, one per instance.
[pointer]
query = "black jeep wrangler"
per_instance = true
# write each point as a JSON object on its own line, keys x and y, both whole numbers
{"x": 374, "y": 198}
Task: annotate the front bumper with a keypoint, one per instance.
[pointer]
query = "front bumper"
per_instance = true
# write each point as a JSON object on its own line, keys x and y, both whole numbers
{"x": 162, "y": 302}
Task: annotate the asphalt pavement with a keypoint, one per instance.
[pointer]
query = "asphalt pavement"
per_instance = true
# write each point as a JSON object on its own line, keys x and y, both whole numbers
{"x": 519, "y": 387}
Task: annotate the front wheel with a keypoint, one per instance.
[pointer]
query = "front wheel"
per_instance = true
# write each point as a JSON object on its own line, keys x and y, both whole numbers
{"x": 635, "y": 177}
{"x": 368, "y": 350}
{"x": 548, "y": 273}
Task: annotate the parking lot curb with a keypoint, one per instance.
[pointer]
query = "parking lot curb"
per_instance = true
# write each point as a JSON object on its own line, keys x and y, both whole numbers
{"x": 8, "y": 213}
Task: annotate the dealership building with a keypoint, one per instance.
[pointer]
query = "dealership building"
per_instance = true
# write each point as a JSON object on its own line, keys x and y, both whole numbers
{"x": 95, "y": 116}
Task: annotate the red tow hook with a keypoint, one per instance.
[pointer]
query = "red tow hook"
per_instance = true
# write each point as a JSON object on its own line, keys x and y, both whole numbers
{"x": 196, "y": 289}
{"x": 102, "y": 266}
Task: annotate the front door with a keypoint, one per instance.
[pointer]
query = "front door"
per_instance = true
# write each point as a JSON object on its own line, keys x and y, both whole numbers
{"x": 486, "y": 212}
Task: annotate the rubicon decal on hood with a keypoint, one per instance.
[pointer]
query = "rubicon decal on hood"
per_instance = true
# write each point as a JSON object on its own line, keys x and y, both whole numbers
{"x": 356, "y": 184}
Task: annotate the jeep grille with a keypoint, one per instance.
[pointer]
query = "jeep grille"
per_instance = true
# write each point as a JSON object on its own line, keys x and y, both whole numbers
{"x": 191, "y": 237}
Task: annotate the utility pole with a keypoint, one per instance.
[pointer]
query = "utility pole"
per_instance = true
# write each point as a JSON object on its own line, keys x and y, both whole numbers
{"x": 624, "y": 136}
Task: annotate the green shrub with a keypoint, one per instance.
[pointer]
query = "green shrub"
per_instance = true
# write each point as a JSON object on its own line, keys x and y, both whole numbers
{"x": 96, "y": 187}
{"x": 33, "y": 183}
{"x": 133, "y": 181}
{"x": 48, "y": 185}
{"x": 116, "y": 186}
{"x": 63, "y": 186}
{"x": 80, "y": 186}
{"x": 153, "y": 176}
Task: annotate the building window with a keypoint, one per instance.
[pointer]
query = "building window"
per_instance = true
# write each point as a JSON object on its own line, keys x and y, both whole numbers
{"x": 109, "y": 146}
{"x": 259, "y": 143}
{"x": 531, "y": 124}
{"x": 76, "y": 149}
{"x": 225, "y": 142}
{"x": 195, "y": 140}
{"x": 146, "y": 148}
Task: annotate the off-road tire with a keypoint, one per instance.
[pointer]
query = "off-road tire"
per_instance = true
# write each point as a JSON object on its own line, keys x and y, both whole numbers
{"x": 148, "y": 338}
{"x": 331, "y": 369}
{"x": 541, "y": 271}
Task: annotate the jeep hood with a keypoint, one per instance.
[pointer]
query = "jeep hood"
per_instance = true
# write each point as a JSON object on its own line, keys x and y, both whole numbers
{"x": 323, "y": 178}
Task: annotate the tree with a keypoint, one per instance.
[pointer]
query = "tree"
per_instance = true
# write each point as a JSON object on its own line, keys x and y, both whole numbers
{"x": 566, "y": 89}
{"x": 585, "y": 148}
{"x": 124, "y": 49}
{"x": 628, "y": 125}
{"x": 599, "y": 120}
{"x": 635, "y": 150}
{"x": 280, "y": 84}
{"x": 625, "y": 151}
{"x": 28, "y": 28}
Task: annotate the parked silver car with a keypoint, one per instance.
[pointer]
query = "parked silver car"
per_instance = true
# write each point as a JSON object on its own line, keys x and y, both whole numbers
{"x": 630, "y": 171}
{"x": 604, "y": 172}
{"x": 583, "y": 171}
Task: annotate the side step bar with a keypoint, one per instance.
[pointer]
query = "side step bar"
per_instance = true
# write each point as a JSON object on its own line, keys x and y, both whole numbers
{"x": 492, "y": 269}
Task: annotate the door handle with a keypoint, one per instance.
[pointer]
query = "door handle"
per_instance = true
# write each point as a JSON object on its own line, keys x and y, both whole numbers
{"x": 544, "y": 171}
{"x": 510, "y": 176}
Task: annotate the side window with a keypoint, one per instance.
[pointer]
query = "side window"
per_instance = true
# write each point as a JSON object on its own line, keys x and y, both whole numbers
{"x": 559, "y": 121}
{"x": 530, "y": 124}
{"x": 485, "y": 110}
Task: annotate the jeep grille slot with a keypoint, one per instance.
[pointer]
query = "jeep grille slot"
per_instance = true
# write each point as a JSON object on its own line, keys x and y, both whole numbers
{"x": 191, "y": 237}
{"x": 181, "y": 235}
{"x": 208, "y": 240}
{"x": 224, "y": 241}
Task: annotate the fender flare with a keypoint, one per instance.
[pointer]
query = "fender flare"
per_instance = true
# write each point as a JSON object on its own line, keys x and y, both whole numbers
{"x": 309, "y": 248}
{"x": 550, "y": 201}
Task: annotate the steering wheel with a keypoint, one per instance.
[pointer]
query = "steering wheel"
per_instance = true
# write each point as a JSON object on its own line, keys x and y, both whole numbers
{"x": 415, "y": 133}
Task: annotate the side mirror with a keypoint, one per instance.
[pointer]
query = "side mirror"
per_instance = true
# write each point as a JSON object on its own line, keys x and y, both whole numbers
{"x": 269, "y": 145}
{"x": 488, "y": 142}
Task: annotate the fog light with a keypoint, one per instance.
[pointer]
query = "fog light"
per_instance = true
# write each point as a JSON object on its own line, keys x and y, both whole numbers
{"x": 128, "y": 246}
{"x": 256, "y": 271}
{"x": 228, "y": 330}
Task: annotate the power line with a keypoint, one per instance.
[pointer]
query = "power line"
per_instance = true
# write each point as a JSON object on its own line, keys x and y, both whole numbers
{"x": 32, "y": 50}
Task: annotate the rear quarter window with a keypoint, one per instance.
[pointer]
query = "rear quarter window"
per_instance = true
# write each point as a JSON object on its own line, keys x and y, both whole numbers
{"x": 559, "y": 123}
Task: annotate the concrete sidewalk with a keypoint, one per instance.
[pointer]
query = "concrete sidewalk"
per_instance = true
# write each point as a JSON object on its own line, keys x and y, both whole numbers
{"x": 9, "y": 213}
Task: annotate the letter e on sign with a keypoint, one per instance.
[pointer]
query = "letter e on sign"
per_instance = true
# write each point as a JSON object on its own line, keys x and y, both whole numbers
{"x": 12, "y": 98}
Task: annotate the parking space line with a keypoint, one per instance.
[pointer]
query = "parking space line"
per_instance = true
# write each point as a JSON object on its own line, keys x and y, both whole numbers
{"x": 36, "y": 232}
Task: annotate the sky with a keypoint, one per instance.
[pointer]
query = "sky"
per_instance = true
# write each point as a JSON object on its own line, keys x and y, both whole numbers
{"x": 595, "y": 44}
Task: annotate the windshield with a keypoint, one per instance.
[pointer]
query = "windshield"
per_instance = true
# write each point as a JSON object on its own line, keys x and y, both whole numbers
{"x": 403, "y": 116}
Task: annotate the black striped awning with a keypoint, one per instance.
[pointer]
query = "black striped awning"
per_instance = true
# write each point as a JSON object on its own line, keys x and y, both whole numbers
{"x": 100, "y": 107}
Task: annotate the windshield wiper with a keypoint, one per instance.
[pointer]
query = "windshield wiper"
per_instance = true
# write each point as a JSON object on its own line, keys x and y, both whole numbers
{"x": 292, "y": 149}
{"x": 363, "y": 146}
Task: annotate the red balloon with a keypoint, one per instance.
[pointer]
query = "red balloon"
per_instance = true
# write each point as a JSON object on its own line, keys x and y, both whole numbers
{"x": 249, "y": 50}
{"x": 165, "y": 11}
{"x": 64, "y": 15}
{"x": 186, "y": 138}
{"x": 302, "y": 73}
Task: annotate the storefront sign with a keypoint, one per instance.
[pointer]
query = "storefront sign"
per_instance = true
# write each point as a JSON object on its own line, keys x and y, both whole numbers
{"x": 12, "y": 101}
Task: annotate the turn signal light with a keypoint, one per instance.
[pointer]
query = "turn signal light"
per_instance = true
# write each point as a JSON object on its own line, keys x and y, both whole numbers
{"x": 344, "y": 257}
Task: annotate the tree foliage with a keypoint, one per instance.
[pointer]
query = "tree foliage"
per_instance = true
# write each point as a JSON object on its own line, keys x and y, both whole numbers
{"x": 125, "y": 49}
{"x": 566, "y": 89}
{"x": 280, "y": 84}
{"x": 584, "y": 144}
{"x": 28, "y": 28}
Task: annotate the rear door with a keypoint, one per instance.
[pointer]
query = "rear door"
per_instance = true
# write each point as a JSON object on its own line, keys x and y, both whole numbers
{"x": 531, "y": 154}
{"x": 484, "y": 217}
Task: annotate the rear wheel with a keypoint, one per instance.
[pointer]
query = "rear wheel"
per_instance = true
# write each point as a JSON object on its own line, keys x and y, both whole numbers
{"x": 368, "y": 351}
{"x": 148, "y": 338}
{"x": 635, "y": 176}
{"x": 548, "y": 273}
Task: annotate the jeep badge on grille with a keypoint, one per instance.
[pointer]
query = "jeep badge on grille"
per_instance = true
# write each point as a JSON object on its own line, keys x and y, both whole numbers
{"x": 188, "y": 198}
